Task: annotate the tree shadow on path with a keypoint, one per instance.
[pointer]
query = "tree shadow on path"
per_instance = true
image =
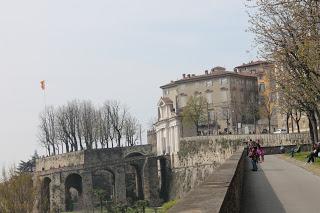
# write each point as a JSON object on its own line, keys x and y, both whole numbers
{"x": 258, "y": 195}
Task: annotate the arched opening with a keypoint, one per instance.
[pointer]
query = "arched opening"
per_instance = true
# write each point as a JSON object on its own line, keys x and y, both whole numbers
{"x": 134, "y": 188}
{"x": 103, "y": 182}
{"x": 73, "y": 192}
{"x": 163, "y": 179}
{"x": 45, "y": 195}
{"x": 134, "y": 154}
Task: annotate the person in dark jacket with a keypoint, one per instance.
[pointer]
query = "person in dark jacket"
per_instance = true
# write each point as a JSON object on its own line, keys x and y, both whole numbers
{"x": 253, "y": 154}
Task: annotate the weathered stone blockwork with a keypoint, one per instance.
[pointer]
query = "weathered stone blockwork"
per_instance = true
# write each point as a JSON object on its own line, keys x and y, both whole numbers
{"x": 197, "y": 159}
{"x": 265, "y": 139}
{"x": 77, "y": 169}
{"x": 221, "y": 192}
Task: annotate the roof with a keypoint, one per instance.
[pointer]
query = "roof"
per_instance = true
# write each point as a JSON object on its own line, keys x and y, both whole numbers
{"x": 253, "y": 63}
{"x": 166, "y": 100}
{"x": 214, "y": 74}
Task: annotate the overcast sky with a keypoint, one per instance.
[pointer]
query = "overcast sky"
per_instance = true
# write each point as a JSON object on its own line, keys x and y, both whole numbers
{"x": 106, "y": 49}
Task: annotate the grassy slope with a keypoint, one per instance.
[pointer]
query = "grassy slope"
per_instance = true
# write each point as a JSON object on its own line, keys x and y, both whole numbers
{"x": 163, "y": 209}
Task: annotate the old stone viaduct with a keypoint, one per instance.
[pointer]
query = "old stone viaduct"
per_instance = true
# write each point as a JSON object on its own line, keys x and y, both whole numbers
{"x": 69, "y": 181}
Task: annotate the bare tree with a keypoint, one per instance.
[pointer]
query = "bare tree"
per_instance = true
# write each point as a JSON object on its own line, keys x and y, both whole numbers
{"x": 71, "y": 121}
{"x": 62, "y": 128}
{"x": 87, "y": 113}
{"x": 117, "y": 116}
{"x": 80, "y": 125}
{"x": 48, "y": 134}
{"x": 131, "y": 130}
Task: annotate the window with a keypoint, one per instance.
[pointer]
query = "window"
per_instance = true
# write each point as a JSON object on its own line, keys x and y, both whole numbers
{"x": 262, "y": 87}
{"x": 166, "y": 92}
{"x": 223, "y": 81}
{"x": 209, "y": 98}
{"x": 224, "y": 95}
{"x": 183, "y": 100}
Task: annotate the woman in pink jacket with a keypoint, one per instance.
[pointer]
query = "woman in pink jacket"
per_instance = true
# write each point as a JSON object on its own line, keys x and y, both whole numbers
{"x": 261, "y": 153}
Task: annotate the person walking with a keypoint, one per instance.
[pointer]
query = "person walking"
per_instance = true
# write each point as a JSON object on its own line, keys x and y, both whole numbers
{"x": 314, "y": 153}
{"x": 260, "y": 153}
{"x": 253, "y": 154}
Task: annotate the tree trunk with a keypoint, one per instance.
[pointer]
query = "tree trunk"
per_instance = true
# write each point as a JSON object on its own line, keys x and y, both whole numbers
{"x": 315, "y": 128}
{"x": 269, "y": 124}
{"x": 197, "y": 127}
{"x": 298, "y": 126}
{"x": 287, "y": 122}
{"x": 313, "y": 122}
{"x": 292, "y": 128}
{"x": 67, "y": 147}
{"x": 317, "y": 118}
{"x": 53, "y": 149}
{"x": 311, "y": 129}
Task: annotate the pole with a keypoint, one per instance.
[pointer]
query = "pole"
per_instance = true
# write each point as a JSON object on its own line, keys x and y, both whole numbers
{"x": 140, "y": 136}
{"x": 208, "y": 119}
{"x": 44, "y": 99}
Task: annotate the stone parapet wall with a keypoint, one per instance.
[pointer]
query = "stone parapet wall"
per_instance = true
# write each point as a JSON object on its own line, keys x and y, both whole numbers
{"x": 86, "y": 158}
{"x": 197, "y": 158}
{"x": 271, "y": 150}
{"x": 234, "y": 175}
{"x": 71, "y": 159}
{"x": 221, "y": 192}
{"x": 265, "y": 139}
{"x": 87, "y": 170}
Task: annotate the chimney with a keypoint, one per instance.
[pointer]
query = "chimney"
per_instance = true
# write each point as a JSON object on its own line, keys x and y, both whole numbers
{"x": 188, "y": 75}
{"x": 183, "y": 76}
{"x": 206, "y": 72}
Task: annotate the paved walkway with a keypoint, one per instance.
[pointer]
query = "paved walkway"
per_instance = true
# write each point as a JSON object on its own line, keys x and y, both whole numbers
{"x": 280, "y": 186}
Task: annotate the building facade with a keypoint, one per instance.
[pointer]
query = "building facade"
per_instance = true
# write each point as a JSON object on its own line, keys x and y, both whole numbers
{"x": 230, "y": 98}
{"x": 268, "y": 95}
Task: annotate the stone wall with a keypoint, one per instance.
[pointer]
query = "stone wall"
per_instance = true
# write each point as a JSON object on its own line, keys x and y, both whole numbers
{"x": 234, "y": 175}
{"x": 271, "y": 150}
{"x": 265, "y": 139}
{"x": 221, "y": 192}
{"x": 59, "y": 161}
{"x": 77, "y": 169}
{"x": 197, "y": 159}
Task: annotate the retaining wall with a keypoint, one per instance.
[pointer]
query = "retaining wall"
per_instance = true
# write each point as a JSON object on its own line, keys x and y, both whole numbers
{"x": 196, "y": 160}
{"x": 264, "y": 139}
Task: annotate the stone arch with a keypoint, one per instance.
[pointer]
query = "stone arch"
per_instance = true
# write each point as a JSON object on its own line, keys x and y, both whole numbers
{"x": 104, "y": 180}
{"x": 134, "y": 183}
{"x": 45, "y": 195}
{"x": 73, "y": 192}
{"x": 134, "y": 154}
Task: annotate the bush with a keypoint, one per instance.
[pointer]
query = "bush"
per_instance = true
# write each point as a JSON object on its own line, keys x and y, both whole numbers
{"x": 166, "y": 206}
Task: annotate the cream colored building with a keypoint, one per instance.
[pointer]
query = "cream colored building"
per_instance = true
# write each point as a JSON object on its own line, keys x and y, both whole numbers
{"x": 230, "y": 97}
{"x": 263, "y": 70}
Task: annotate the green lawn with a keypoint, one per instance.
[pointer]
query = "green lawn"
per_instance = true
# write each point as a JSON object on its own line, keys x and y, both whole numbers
{"x": 302, "y": 156}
